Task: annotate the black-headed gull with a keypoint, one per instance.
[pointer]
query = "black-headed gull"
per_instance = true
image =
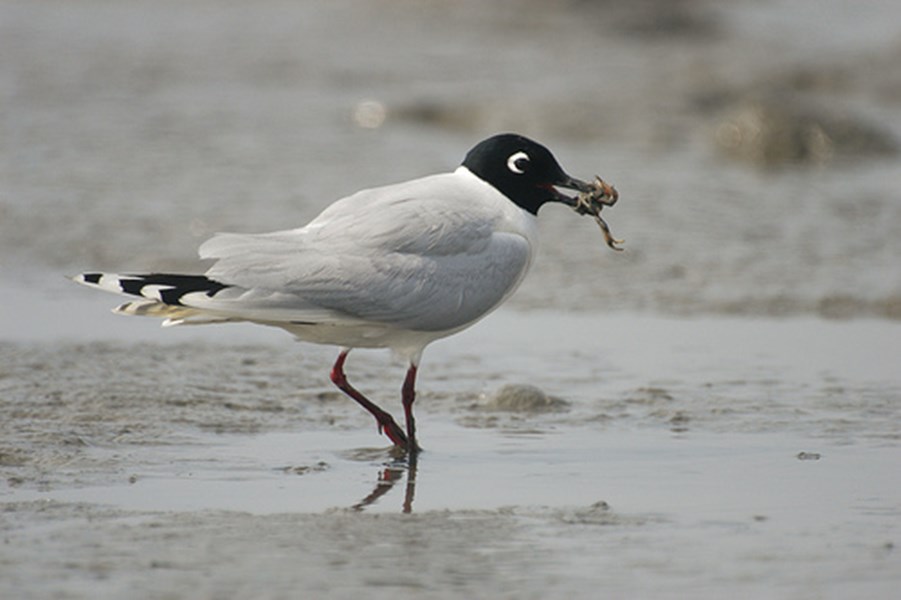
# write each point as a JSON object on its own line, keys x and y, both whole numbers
{"x": 390, "y": 267}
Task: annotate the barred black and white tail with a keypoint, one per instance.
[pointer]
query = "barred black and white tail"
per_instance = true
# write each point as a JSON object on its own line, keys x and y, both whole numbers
{"x": 164, "y": 295}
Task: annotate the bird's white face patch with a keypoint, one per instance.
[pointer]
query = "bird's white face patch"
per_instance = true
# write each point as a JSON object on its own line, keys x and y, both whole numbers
{"x": 517, "y": 162}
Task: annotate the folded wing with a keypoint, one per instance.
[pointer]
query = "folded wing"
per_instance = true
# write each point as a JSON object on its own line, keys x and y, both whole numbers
{"x": 394, "y": 256}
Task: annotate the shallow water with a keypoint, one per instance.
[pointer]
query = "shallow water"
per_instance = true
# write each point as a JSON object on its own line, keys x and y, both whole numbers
{"x": 684, "y": 456}
{"x": 645, "y": 475}
{"x": 716, "y": 410}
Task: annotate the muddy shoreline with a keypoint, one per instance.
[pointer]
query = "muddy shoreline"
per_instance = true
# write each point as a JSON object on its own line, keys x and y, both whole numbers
{"x": 235, "y": 469}
{"x": 712, "y": 412}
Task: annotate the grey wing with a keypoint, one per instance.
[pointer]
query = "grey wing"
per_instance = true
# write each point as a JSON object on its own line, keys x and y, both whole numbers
{"x": 431, "y": 292}
{"x": 407, "y": 263}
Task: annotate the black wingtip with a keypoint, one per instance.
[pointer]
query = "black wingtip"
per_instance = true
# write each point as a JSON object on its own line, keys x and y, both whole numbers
{"x": 167, "y": 288}
{"x": 178, "y": 285}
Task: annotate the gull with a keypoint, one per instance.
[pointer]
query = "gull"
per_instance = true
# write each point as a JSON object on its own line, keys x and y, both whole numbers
{"x": 396, "y": 267}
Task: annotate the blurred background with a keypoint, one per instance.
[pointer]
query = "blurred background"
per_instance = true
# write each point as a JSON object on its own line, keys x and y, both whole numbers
{"x": 754, "y": 143}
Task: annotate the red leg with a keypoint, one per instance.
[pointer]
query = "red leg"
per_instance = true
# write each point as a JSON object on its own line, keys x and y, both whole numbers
{"x": 385, "y": 421}
{"x": 408, "y": 394}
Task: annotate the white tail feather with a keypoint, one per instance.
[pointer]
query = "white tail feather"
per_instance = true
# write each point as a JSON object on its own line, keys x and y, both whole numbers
{"x": 174, "y": 315}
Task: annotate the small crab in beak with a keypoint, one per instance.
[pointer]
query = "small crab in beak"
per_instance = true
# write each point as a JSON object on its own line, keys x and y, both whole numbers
{"x": 591, "y": 199}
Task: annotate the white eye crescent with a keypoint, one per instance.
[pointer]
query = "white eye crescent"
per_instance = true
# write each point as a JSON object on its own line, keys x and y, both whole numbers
{"x": 518, "y": 162}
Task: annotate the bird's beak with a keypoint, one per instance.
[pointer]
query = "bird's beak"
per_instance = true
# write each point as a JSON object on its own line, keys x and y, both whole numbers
{"x": 569, "y": 183}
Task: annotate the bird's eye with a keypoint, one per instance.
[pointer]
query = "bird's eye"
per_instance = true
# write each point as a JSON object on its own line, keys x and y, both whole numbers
{"x": 518, "y": 162}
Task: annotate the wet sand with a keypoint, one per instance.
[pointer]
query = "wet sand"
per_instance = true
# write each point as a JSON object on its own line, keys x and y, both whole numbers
{"x": 714, "y": 411}
{"x": 681, "y": 457}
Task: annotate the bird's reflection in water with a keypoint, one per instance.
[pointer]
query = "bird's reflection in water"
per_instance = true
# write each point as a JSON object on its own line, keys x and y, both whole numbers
{"x": 388, "y": 476}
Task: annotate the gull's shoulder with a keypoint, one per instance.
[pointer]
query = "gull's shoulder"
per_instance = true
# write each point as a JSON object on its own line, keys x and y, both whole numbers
{"x": 459, "y": 191}
{"x": 441, "y": 214}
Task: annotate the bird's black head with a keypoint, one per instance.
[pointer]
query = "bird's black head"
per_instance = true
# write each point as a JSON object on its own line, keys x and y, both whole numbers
{"x": 524, "y": 171}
